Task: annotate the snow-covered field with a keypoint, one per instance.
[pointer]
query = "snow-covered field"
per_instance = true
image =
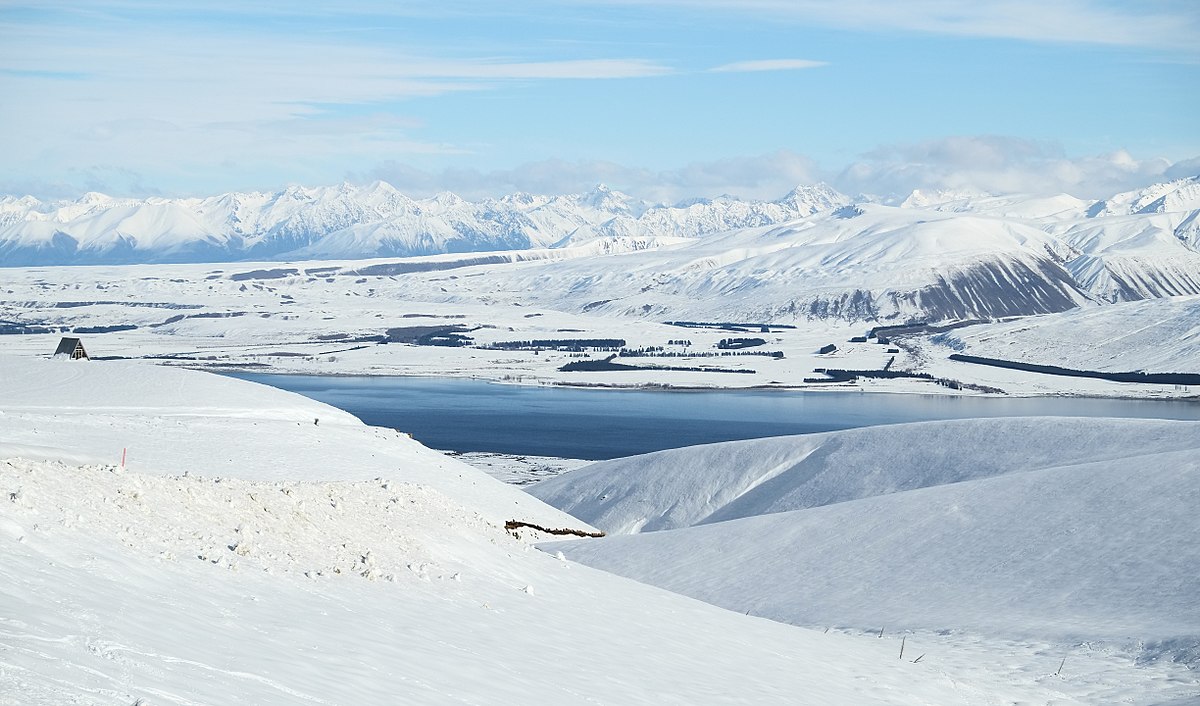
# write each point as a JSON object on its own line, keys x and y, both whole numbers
{"x": 205, "y": 316}
{"x": 1065, "y": 536}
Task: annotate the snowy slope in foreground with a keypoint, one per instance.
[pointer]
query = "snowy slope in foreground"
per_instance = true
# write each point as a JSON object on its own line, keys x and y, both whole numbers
{"x": 1033, "y": 528}
{"x": 704, "y": 484}
{"x": 119, "y": 586}
{"x": 116, "y": 587}
{"x": 174, "y": 421}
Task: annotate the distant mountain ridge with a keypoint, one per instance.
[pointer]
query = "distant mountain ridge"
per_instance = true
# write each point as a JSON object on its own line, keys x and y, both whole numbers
{"x": 815, "y": 253}
{"x": 348, "y": 221}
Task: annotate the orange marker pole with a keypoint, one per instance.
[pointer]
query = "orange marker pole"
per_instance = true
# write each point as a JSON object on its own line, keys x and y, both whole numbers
{"x": 123, "y": 457}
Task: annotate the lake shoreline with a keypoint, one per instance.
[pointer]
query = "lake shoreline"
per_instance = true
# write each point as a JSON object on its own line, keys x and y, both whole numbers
{"x": 834, "y": 387}
{"x": 479, "y": 415}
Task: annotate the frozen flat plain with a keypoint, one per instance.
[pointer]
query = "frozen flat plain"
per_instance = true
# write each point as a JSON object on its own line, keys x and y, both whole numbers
{"x": 207, "y": 316}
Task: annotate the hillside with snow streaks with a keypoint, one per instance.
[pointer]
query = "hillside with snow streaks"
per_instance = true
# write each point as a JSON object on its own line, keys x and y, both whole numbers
{"x": 862, "y": 263}
{"x": 1095, "y": 551}
{"x": 1157, "y": 335}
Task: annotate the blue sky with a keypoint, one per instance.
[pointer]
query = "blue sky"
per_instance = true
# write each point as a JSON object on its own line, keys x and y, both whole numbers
{"x": 665, "y": 99}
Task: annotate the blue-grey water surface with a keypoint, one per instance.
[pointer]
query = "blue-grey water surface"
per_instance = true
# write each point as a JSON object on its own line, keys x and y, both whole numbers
{"x": 473, "y": 415}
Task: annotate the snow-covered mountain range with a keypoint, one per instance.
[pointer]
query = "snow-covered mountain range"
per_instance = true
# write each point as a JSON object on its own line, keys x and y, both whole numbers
{"x": 349, "y": 221}
{"x": 815, "y": 253}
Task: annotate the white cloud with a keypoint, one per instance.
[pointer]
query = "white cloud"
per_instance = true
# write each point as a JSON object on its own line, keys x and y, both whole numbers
{"x": 768, "y": 65}
{"x": 171, "y": 102}
{"x": 766, "y": 176}
{"x": 998, "y": 164}
{"x": 992, "y": 164}
{"x": 1157, "y": 24}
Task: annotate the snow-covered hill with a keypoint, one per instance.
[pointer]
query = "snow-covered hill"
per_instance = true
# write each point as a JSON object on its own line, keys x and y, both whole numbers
{"x": 1066, "y": 529}
{"x": 166, "y": 420}
{"x": 861, "y": 263}
{"x": 717, "y": 482}
{"x": 261, "y": 548}
{"x": 1156, "y": 335}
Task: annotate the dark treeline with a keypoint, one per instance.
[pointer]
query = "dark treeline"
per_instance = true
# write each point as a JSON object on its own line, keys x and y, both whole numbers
{"x": 607, "y": 365}
{"x": 21, "y": 329}
{"x": 735, "y": 343}
{"x": 834, "y": 375}
{"x": 921, "y": 327}
{"x": 730, "y": 325}
{"x": 560, "y": 344}
{"x": 658, "y": 352}
{"x": 1154, "y": 378}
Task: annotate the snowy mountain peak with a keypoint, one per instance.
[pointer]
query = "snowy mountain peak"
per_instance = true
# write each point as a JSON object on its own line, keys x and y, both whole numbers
{"x": 92, "y": 198}
{"x": 447, "y": 199}
{"x": 1178, "y": 195}
{"x": 806, "y": 200}
{"x": 926, "y": 198}
{"x": 356, "y": 221}
{"x": 602, "y": 198}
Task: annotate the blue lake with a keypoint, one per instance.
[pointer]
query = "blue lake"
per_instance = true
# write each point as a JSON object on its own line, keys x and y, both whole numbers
{"x": 472, "y": 415}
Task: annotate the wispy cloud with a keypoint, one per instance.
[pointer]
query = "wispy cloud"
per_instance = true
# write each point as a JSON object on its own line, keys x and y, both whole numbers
{"x": 1002, "y": 165}
{"x": 157, "y": 95}
{"x": 768, "y": 65}
{"x": 765, "y": 176}
{"x": 1158, "y": 24}
{"x": 481, "y": 69}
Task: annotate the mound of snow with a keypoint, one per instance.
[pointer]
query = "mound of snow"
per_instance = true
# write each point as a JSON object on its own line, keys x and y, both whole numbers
{"x": 173, "y": 421}
{"x": 1092, "y": 551}
{"x": 716, "y": 482}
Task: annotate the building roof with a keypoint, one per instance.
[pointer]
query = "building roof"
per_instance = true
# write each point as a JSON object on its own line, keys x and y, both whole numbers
{"x": 66, "y": 346}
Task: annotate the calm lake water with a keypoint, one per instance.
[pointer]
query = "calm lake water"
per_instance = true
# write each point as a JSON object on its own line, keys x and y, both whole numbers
{"x": 472, "y": 415}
